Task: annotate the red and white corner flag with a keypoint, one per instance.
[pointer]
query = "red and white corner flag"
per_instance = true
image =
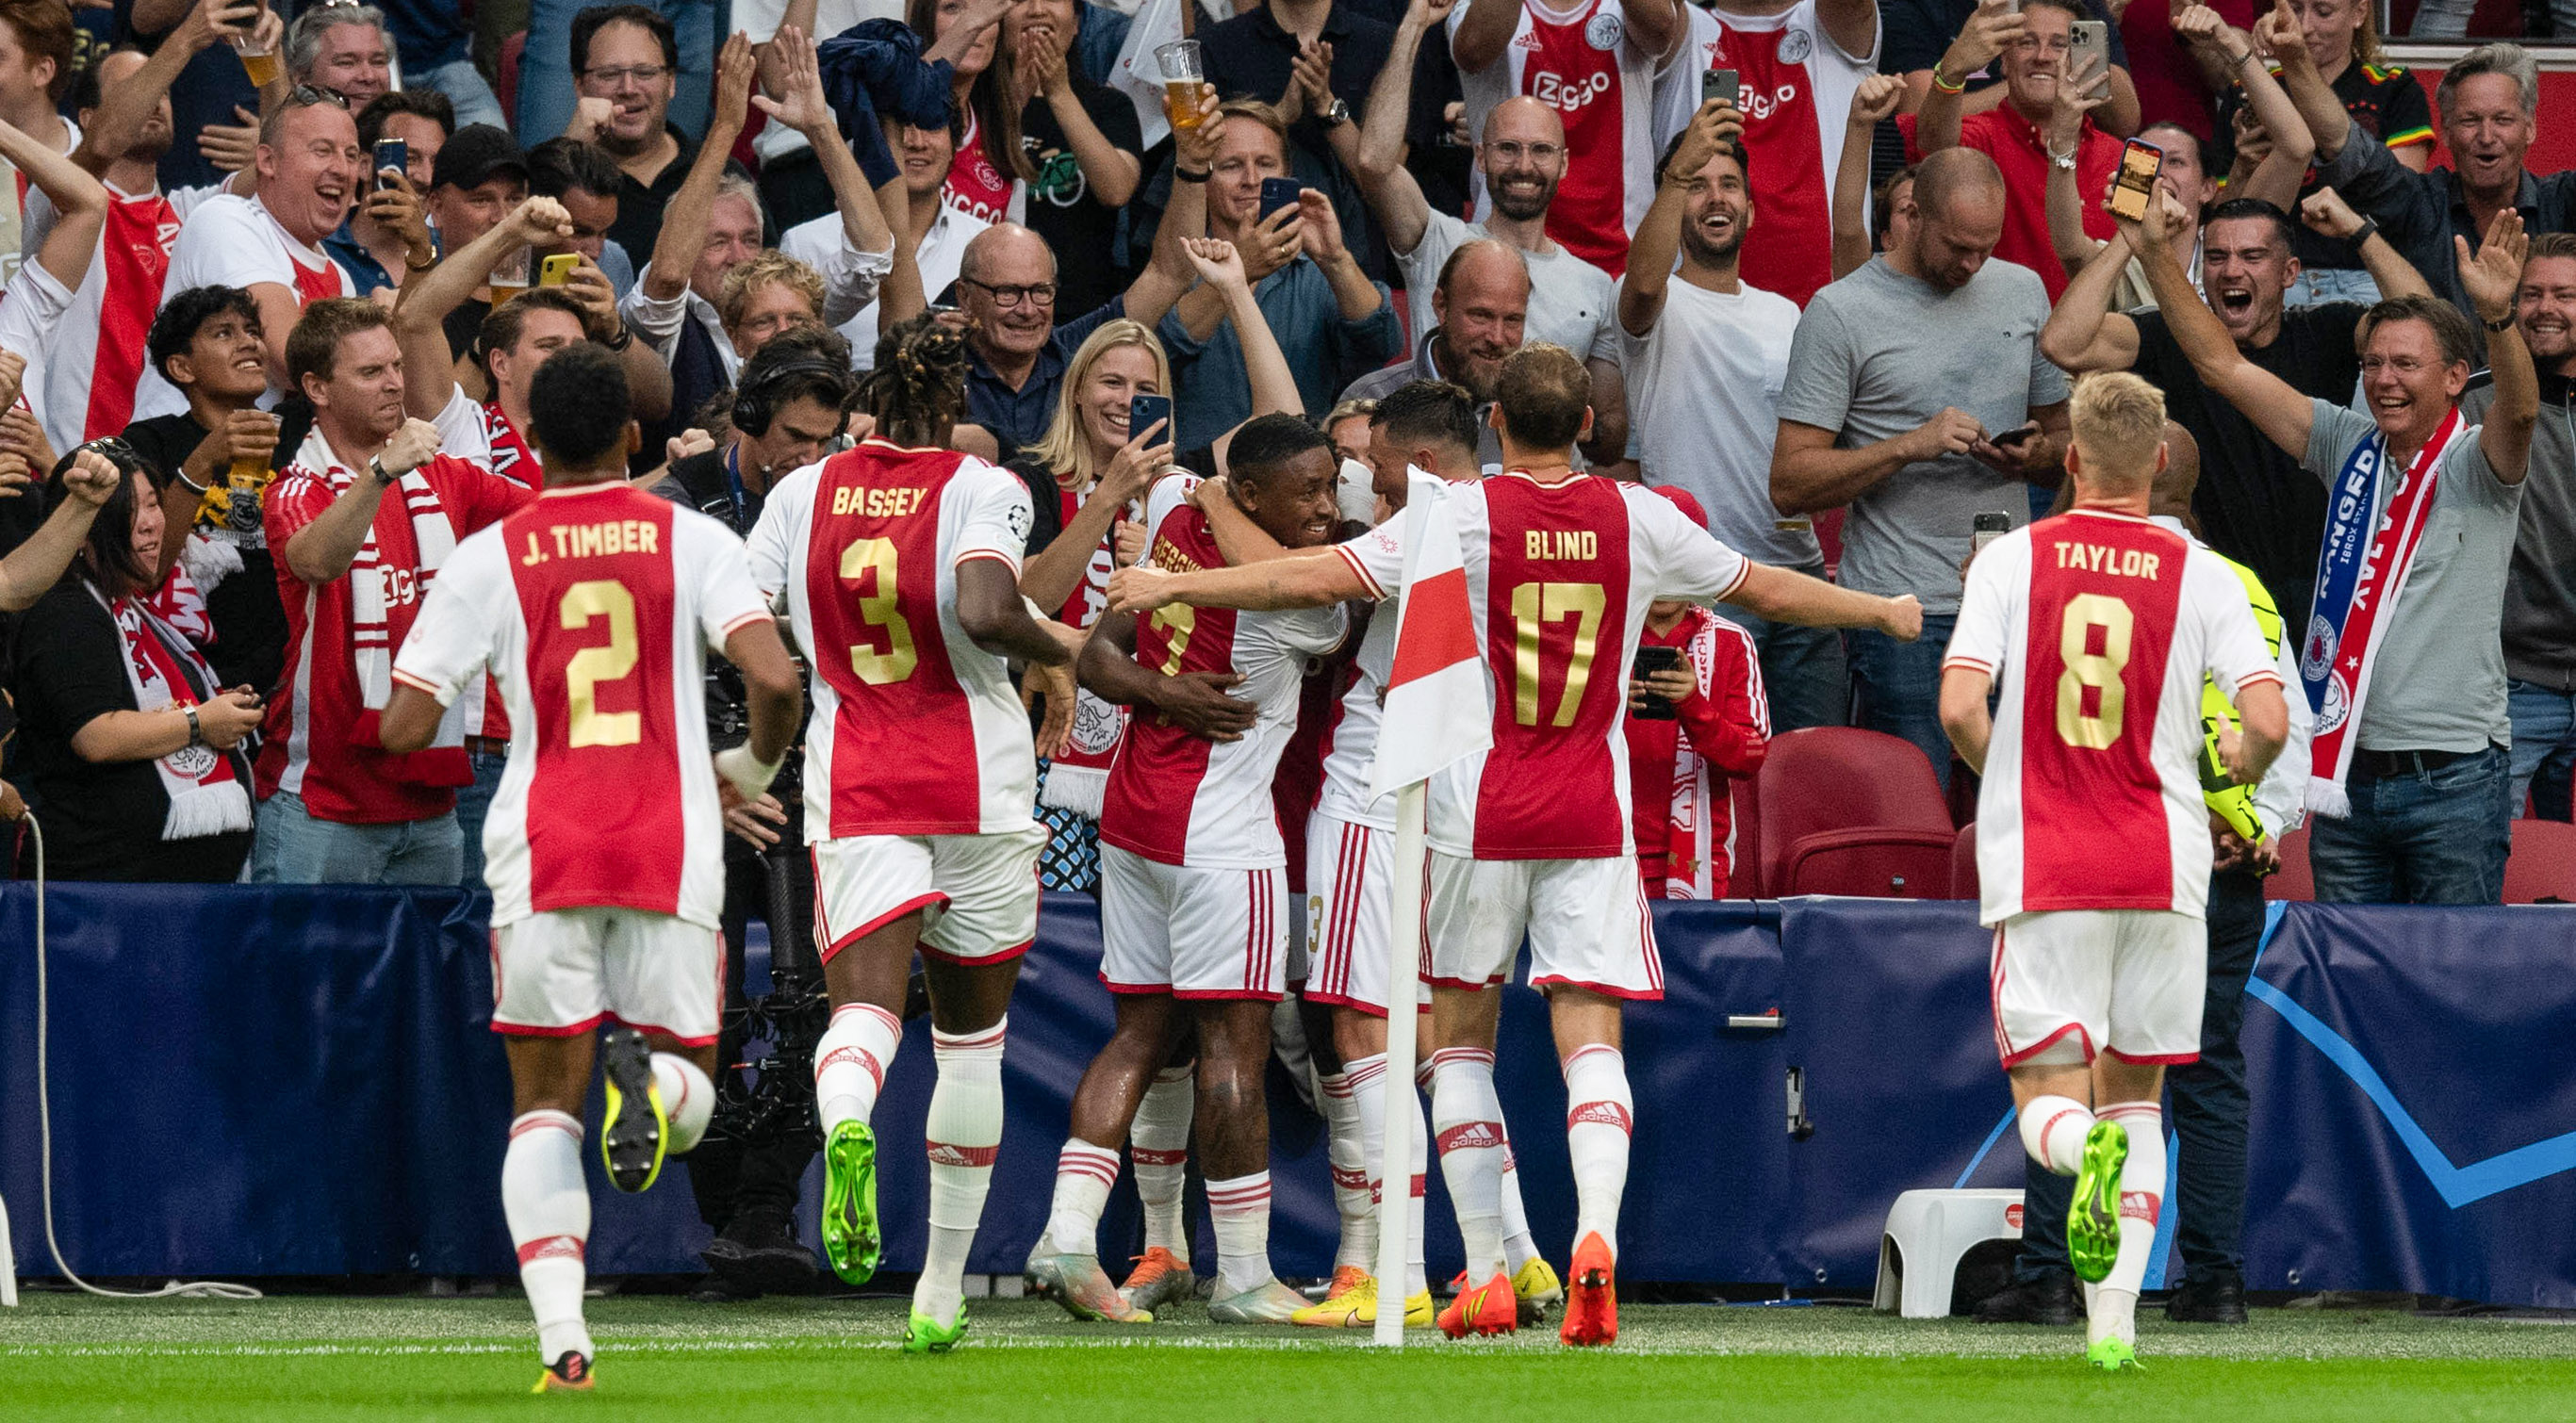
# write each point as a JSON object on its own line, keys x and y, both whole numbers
{"x": 1438, "y": 706}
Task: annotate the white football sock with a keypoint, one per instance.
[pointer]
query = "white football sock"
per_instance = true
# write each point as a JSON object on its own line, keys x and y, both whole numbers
{"x": 1599, "y": 1120}
{"x": 1468, "y": 1119}
{"x": 963, "y": 1133}
{"x": 688, "y": 1100}
{"x": 1158, "y": 1142}
{"x": 547, "y": 1204}
{"x": 1083, "y": 1175}
{"x": 2053, "y": 1131}
{"x": 2142, "y": 1194}
{"x": 1240, "y": 1207}
{"x": 1345, "y": 1150}
{"x": 851, "y": 1061}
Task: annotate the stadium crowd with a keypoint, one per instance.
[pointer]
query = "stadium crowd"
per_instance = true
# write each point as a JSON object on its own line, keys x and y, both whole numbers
{"x": 1827, "y": 270}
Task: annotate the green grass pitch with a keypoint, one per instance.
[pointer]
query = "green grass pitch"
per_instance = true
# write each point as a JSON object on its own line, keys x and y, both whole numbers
{"x": 68, "y": 1357}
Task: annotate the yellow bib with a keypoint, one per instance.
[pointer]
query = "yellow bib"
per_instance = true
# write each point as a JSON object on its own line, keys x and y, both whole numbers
{"x": 2234, "y": 802}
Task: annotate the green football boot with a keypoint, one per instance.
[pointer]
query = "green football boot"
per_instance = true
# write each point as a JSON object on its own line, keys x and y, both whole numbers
{"x": 2112, "y": 1354}
{"x": 924, "y": 1336}
{"x": 2093, "y": 1222}
{"x": 850, "y": 1236}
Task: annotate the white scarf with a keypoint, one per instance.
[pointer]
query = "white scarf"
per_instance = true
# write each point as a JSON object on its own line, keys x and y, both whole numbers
{"x": 208, "y": 789}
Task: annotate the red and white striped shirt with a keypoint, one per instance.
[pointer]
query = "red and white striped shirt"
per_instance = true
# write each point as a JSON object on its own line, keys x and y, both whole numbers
{"x": 2097, "y": 628}
{"x": 594, "y": 607}
{"x": 915, "y": 729}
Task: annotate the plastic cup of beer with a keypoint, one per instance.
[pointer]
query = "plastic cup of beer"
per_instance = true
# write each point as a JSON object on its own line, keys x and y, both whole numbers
{"x": 510, "y": 278}
{"x": 248, "y": 472}
{"x": 1184, "y": 68}
{"x": 259, "y": 59}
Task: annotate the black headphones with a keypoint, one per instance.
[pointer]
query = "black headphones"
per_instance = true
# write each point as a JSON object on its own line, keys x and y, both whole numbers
{"x": 754, "y": 398}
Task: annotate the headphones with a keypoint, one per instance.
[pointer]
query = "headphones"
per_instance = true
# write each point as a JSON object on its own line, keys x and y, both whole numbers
{"x": 755, "y": 399}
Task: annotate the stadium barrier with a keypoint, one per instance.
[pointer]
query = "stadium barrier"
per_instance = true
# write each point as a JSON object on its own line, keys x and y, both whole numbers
{"x": 300, "y": 1082}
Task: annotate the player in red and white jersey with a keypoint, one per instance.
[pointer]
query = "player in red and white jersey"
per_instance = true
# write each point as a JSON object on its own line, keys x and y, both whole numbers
{"x": 1595, "y": 62}
{"x": 1532, "y": 837}
{"x": 1797, "y": 66}
{"x": 2094, "y": 630}
{"x": 1193, "y": 873}
{"x": 593, "y": 608}
{"x": 898, "y": 563}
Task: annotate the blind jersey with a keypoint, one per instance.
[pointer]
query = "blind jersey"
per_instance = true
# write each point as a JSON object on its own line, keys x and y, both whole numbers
{"x": 1174, "y": 796}
{"x": 1583, "y": 63}
{"x": 1558, "y": 579}
{"x": 2098, "y": 628}
{"x": 915, "y": 730}
{"x": 593, "y": 608}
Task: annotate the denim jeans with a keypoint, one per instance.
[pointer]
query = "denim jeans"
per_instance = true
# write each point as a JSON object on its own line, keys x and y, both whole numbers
{"x": 1898, "y": 685}
{"x": 2544, "y": 748}
{"x": 463, "y": 85}
{"x": 292, "y": 847}
{"x": 473, "y": 806}
{"x": 1805, "y": 677}
{"x": 2208, "y": 1113}
{"x": 545, "y": 71}
{"x": 2433, "y": 837}
{"x": 2315, "y": 286}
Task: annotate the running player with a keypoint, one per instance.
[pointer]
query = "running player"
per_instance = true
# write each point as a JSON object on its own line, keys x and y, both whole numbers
{"x": 592, "y": 608}
{"x": 1533, "y": 836}
{"x": 2093, "y": 847}
{"x": 1193, "y": 875}
{"x": 899, "y": 563}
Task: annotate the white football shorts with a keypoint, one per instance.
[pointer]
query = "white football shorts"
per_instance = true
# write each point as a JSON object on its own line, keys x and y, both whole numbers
{"x": 1586, "y": 921}
{"x": 1192, "y": 933}
{"x": 978, "y": 894}
{"x": 1349, "y": 898}
{"x": 2070, "y": 983}
{"x": 561, "y": 973}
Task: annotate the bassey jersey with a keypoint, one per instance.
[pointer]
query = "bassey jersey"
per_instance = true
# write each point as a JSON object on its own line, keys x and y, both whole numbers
{"x": 593, "y": 608}
{"x": 915, "y": 729}
{"x": 1559, "y": 576}
{"x": 2098, "y": 628}
{"x": 1179, "y": 798}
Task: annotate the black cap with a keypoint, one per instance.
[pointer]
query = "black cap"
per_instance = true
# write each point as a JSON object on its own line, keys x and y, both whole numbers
{"x": 475, "y": 155}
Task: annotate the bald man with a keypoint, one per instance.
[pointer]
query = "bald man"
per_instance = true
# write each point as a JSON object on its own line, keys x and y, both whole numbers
{"x": 1015, "y": 347}
{"x": 1522, "y": 155}
{"x": 1481, "y": 306}
{"x": 1916, "y": 394}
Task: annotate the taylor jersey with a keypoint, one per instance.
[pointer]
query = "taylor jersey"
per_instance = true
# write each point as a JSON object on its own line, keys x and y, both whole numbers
{"x": 1583, "y": 63}
{"x": 1558, "y": 580}
{"x": 593, "y": 608}
{"x": 1174, "y": 796}
{"x": 1795, "y": 87}
{"x": 915, "y": 730}
{"x": 2098, "y": 628}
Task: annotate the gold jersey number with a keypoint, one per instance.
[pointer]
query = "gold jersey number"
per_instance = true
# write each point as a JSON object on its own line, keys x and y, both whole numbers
{"x": 582, "y": 604}
{"x": 2101, "y": 671}
{"x": 877, "y": 610}
{"x": 1533, "y": 606}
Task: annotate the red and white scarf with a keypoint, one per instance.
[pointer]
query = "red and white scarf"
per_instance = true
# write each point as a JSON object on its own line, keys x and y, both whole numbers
{"x": 2358, "y": 588}
{"x": 1078, "y": 780}
{"x": 209, "y": 790}
{"x": 512, "y": 457}
{"x": 1695, "y": 850}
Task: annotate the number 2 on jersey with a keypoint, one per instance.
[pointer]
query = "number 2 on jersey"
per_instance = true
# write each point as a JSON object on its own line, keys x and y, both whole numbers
{"x": 877, "y": 609}
{"x": 613, "y": 662}
{"x": 2098, "y": 671}
{"x": 1533, "y": 606}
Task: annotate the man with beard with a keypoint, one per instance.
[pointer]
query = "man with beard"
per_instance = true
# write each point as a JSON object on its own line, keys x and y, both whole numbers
{"x": 1481, "y": 306}
{"x": 1709, "y": 352}
{"x": 2490, "y": 103}
{"x": 2254, "y": 502}
{"x": 1917, "y": 395}
{"x": 1522, "y": 156}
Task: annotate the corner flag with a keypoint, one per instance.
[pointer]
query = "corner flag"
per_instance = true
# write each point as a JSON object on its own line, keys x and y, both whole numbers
{"x": 1437, "y": 707}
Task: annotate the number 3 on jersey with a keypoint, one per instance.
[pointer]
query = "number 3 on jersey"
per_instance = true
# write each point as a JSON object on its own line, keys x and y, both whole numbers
{"x": 1534, "y": 605}
{"x": 2093, "y": 641}
{"x": 877, "y": 609}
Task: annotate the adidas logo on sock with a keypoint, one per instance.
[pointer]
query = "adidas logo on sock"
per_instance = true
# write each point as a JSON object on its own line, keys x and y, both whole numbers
{"x": 1469, "y": 1136}
{"x": 944, "y": 1154}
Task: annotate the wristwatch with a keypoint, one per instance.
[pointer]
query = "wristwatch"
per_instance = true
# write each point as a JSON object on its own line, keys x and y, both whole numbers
{"x": 2369, "y": 225}
{"x": 196, "y": 733}
{"x": 2499, "y": 324}
{"x": 376, "y": 469}
{"x": 2065, "y": 160}
{"x": 1339, "y": 113}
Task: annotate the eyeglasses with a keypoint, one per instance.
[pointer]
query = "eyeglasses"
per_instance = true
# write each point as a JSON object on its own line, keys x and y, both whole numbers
{"x": 1041, "y": 293}
{"x": 305, "y": 95}
{"x": 624, "y": 74}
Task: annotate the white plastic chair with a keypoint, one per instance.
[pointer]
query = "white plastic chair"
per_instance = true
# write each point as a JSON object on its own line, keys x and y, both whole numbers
{"x": 1928, "y": 1234}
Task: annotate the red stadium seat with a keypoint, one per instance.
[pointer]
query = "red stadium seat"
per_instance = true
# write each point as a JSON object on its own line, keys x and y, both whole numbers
{"x": 1873, "y": 863}
{"x": 1747, "y": 880}
{"x": 1833, "y": 780}
{"x": 2542, "y": 868}
{"x": 1964, "y": 883}
{"x": 2295, "y": 881}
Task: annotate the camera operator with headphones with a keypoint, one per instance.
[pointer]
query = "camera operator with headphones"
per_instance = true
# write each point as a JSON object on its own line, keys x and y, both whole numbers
{"x": 788, "y": 411}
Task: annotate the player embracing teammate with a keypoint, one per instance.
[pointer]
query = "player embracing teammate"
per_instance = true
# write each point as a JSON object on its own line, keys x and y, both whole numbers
{"x": 2094, "y": 630}
{"x": 1532, "y": 837}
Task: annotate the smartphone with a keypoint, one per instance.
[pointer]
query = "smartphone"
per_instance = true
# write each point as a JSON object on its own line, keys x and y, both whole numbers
{"x": 1144, "y": 410}
{"x": 2091, "y": 39}
{"x": 1720, "y": 85}
{"x": 2140, "y": 162}
{"x": 1986, "y": 529}
{"x": 556, "y": 270}
{"x": 391, "y": 153}
{"x": 1655, "y": 659}
{"x": 1277, "y": 193}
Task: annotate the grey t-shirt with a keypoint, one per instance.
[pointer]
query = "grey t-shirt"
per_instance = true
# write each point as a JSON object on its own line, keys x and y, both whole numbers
{"x": 2439, "y": 685}
{"x": 1877, "y": 354}
{"x": 1571, "y": 303}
